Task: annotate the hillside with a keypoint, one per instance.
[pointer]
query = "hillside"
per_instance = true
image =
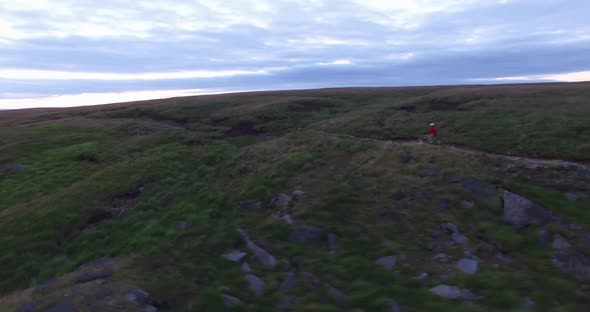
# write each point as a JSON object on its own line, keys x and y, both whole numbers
{"x": 315, "y": 200}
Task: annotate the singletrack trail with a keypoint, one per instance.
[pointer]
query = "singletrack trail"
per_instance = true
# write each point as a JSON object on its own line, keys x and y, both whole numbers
{"x": 462, "y": 148}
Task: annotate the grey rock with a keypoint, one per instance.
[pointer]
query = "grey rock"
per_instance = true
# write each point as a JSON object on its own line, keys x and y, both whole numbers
{"x": 446, "y": 291}
{"x": 333, "y": 241}
{"x": 14, "y": 168}
{"x": 443, "y": 204}
{"x": 460, "y": 238}
{"x": 573, "y": 263}
{"x": 466, "y": 294}
{"x": 255, "y": 284}
{"x": 528, "y": 303}
{"x": 560, "y": 243}
{"x": 388, "y": 213}
{"x": 262, "y": 255}
{"x": 430, "y": 246}
{"x": 429, "y": 172}
{"x": 404, "y": 159}
{"x": 450, "y": 227}
{"x": 394, "y": 306}
{"x": 297, "y": 193}
{"x": 467, "y": 266}
{"x": 150, "y": 309}
{"x": 535, "y": 166}
{"x": 138, "y": 296}
{"x": 251, "y": 204}
{"x": 287, "y": 218}
{"x": 230, "y": 301}
{"x": 245, "y": 267}
{"x": 103, "y": 293}
{"x": 287, "y": 303}
{"x": 442, "y": 257}
{"x": 289, "y": 282}
{"x": 422, "y": 276}
{"x": 64, "y": 306}
{"x": 96, "y": 269}
{"x": 28, "y": 307}
{"x": 504, "y": 258}
{"x": 544, "y": 236}
{"x": 436, "y": 233}
{"x": 520, "y": 211}
{"x": 337, "y": 295}
{"x": 306, "y": 234}
{"x": 481, "y": 190}
{"x": 183, "y": 225}
{"x": 283, "y": 201}
{"x": 571, "y": 197}
{"x": 465, "y": 204}
{"x": 312, "y": 281}
{"x": 387, "y": 262}
{"x": 234, "y": 256}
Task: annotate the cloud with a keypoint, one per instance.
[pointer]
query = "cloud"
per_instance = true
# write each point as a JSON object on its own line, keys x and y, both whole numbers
{"x": 563, "y": 77}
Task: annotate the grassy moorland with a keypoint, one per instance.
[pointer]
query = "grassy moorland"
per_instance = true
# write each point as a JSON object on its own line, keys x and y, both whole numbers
{"x": 157, "y": 186}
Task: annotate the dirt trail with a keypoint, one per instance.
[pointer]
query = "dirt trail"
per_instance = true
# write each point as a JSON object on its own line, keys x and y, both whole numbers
{"x": 462, "y": 148}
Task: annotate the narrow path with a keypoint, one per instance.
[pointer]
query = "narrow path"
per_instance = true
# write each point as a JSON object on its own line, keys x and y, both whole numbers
{"x": 462, "y": 148}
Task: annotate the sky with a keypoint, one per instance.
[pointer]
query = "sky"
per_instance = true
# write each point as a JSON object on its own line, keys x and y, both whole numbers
{"x": 79, "y": 52}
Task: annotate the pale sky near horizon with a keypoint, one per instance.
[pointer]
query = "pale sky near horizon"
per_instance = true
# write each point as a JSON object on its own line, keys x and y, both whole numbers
{"x": 79, "y": 52}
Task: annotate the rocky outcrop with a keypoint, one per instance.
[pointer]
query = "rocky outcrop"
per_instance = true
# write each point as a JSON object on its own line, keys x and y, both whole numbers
{"x": 262, "y": 255}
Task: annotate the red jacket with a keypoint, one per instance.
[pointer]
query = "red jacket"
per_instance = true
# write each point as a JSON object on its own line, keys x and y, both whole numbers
{"x": 432, "y": 131}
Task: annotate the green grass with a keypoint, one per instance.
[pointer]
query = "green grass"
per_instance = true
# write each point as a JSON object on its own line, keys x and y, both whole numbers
{"x": 82, "y": 161}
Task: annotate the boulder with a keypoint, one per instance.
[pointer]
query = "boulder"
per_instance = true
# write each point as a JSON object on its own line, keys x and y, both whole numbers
{"x": 333, "y": 241}
{"x": 150, "y": 309}
{"x": 460, "y": 238}
{"x": 230, "y": 301}
{"x": 481, "y": 190}
{"x": 520, "y": 211}
{"x": 429, "y": 172}
{"x": 571, "y": 197}
{"x": 287, "y": 218}
{"x": 255, "y": 284}
{"x": 560, "y": 243}
{"x": 252, "y": 205}
{"x": 306, "y": 234}
{"x": 465, "y": 204}
{"x": 446, "y": 291}
{"x": 289, "y": 282}
{"x": 422, "y": 276}
{"x": 394, "y": 306}
{"x": 262, "y": 255}
{"x": 442, "y": 257}
{"x": 287, "y": 303}
{"x": 544, "y": 236}
{"x": 467, "y": 266}
{"x": 138, "y": 296}
{"x": 245, "y": 267}
{"x": 234, "y": 256}
{"x": 283, "y": 202}
{"x": 450, "y": 227}
{"x": 387, "y": 262}
{"x": 28, "y": 307}
{"x": 297, "y": 193}
{"x": 183, "y": 225}
{"x": 337, "y": 295}
{"x": 14, "y": 168}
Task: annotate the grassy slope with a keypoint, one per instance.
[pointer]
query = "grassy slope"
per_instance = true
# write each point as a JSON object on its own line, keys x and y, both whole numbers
{"x": 81, "y": 161}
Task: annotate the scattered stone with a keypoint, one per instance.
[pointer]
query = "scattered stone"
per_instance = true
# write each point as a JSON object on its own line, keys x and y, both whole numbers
{"x": 371, "y": 161}
{"x": 14, "y": 168}
{"x": 333, "y": 241}
{"x": 388, "y": 243}
{"x": 287, "y": 218}
{"x": 337, "y": 295}
{"x": 544, "y": 236}
{"x": 443, "y": 204}
{"x": 289, "y": 282}
{"x": 93, "y": 270}
{"x": 466, "y": 294}
{"x": 306, "y": 234}
{"x": 387, "y": 262}
{"x": 406, "y": 158}
{"x": 64, "y": 306}
{"x": 262, "y": 255}
{"x": 287, "y": 303}
{"x": 103, "y": 293}
{"x": 251, "y": 204}
{"x": 234, "y": 256}
{"x": 28, "y": 307}
{"x": 465, "y": 204}
{"x": 460, "y": 238}
{"x": 150, "y": 309}
{"x": 183, "y": 225}
{"x": 429, "y": 172}
{"x": 230, "y": 301}
{"x": 481, "y": 190}
{"x": 504, "y": 258}
{"x": 138, "y": 296}
{"x": 560, "y": 243}
{"x": 394, "y": 306}
{"x": 535, "y": 166}
{"x": 245, "y": 267}
{"x": 528, "y": 303}
{"x": 467, "y": 266}
{"x": 450, "y": 227}
{"x": 442, "y": 257}
{"x": 446, "y": 291}
{"x": 283, "y": 202}
{"x": 430, "y": 246}
{"x": 255, "y": 284}
{"x": 297, "y": 193}
{"x": 436, "y": 233}
{"x": 422, "y": 276}
{"x": 312, "y": 281}
{"x": 571, "y": 197}
{"x": 520, "y": 211}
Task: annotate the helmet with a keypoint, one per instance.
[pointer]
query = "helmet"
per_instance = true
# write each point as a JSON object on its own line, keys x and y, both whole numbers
{"x": 432, "y": 124}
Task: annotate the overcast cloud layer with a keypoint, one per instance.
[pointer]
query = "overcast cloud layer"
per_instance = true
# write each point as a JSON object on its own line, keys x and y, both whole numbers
{"x": 53, "y": 50}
